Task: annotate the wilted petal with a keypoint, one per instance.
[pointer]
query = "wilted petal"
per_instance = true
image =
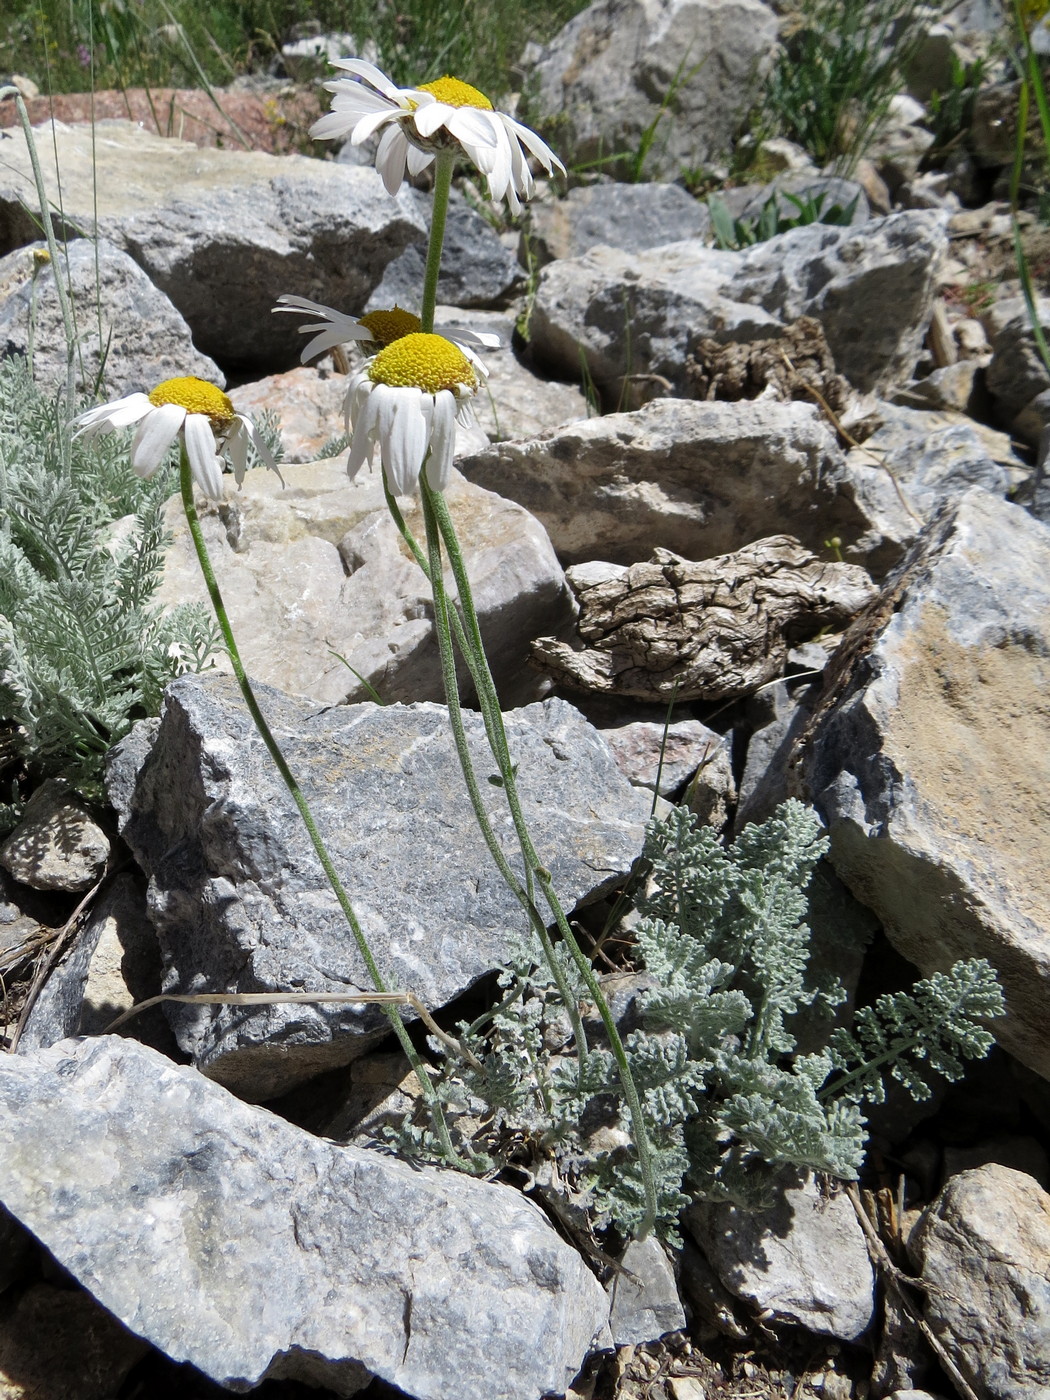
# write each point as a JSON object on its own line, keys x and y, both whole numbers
{"x": 442, "y": 440}
{"x": 157, "y": 431}
{"x": 200, "y": 450}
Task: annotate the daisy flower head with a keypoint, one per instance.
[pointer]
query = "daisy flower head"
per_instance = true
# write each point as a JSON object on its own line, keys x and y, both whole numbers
{"x": 414, "y": 124}
{"x": 187, "y": 408}
{"x": 407, "y": 401}
{"x": 377, "y": 329}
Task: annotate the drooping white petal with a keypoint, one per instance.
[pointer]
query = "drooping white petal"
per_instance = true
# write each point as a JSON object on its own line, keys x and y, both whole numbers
{"x": 157, "y": 431}
{"x": 371, "y": 74}
{"x": 402, "y": 437}
{"x": 391, "y": 158}
{"x": 442, "y": 440}
{"x": 243, "y": 429}
{"x": 200, "y": 449}
{"x": 464, "y": 336}
{"x": 237, "y": 450}
{"x": 362, "y": 444}
{"x": 108, "y": 417}
{"x": 473, "y": 127}
{"x": 368, "y": 125}
{"x": 538, "y": 147}
{"x": 418, "y": 160}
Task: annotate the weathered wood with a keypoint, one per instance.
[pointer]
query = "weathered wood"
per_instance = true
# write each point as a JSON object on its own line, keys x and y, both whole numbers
{"x": 711, "y": 630}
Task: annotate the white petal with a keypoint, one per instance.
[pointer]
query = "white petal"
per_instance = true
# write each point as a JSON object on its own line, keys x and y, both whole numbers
{"x": 237, "y": 450}
{"x": 200, "y": 449}
{"x": 539, "y": 149}
{"x": 442, "y": 440}
{"x": 157, "y": 431}
{"x": 464, "y": 336}
{"x": 391, "y": 158}
{"x": 367, "y": 126}
{"x": 402, "y": 436}
{"x": 331, "y": 126}
{"x": 371, "y": 74}
{"x": 473, "y": 127}
{"x": 362, "y": 443}
{"x": 432, "y": 117}
{"x": 244, "y": 427}
{"x": 418, "y": 160}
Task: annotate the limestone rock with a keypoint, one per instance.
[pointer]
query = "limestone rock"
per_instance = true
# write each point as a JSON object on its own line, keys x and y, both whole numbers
{"x": 642, "y": 313}
{"x": 804, "y": 1258}
{"x": 57, "y": 845}
{"x": 684, "y": 747}
{"x": 222, "y": 233}
{"x": 240, "y": 902}
{"x": 930, "y": 760}
{"x": 605, "y": 76}
{"x": 984, "y": 1251}
{"x": 713, "y": 630}
{"x": 476, "y": 269}
{"x": 316, "y": 572}
{"x": 1017, "y": 377}
{"x": 695, "y": 478}
{"x": 237, "y": 1242}
{"x": 645, "y": 1302}
{"x": 916, "y": 462}
{"x": 144, "y": 339}
{"x": 58, "y": 1344}
{"x": 614, "y": 215}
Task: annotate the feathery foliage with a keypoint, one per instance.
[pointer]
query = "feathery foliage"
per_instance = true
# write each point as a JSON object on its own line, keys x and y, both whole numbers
{"x": 725, "y": 947}
{"x": 84, "y": 652}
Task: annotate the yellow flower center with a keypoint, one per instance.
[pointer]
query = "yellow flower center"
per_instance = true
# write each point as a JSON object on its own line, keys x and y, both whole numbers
{"x": 388, "y": 326}
{"x": 427, "y": 362}
{"x": 456, "y": 94}
{"x": 195, "y": 396}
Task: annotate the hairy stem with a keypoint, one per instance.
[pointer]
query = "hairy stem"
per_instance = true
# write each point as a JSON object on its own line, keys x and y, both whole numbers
{"x": 266, "y": 734}
{"x": 442, "y": 183}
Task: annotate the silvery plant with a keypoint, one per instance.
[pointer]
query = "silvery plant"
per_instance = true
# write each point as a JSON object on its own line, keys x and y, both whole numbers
{"x": 620, "y": 1125}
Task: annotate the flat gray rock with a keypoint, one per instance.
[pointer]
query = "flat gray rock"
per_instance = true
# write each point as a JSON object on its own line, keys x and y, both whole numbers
{"x": 642, "y": 313}
{"x": 143, "y": 341}
{"x": 232, "y": 1240}
{"x": 683, "y": 68}
{"x": 983, "y": 1248}
{"x": 239, "y": 899}
{"x": 696, "y": 478}
{"x": 221, "y": 233}
{"x": 804, "y": 1258}
{"x": 932, "y": 767}
{"x": 614, "y": 215}
{"x": 318, "y": 581}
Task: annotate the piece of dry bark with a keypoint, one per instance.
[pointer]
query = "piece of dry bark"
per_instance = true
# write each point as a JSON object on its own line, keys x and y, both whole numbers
{"x": 788, "y": 365}
{"x": 700, "y": 631}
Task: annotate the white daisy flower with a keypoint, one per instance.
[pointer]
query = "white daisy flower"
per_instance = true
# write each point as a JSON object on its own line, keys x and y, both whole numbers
{"x": 191, "y": 408}
{"x": 379, "y": 328}
{"x": 407, "y": 401}
{"x": 416, "y": 123}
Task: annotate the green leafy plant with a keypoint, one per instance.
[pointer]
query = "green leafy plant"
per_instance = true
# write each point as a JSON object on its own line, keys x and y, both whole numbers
{"x": 951, "y": 111}
{"x": 725, "y": 947}
{"x": 836, "y": 73}
{"x": 84, "y": 649}
{"x": 733, "y": 233}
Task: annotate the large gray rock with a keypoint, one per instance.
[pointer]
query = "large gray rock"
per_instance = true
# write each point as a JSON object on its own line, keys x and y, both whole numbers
{"x": 630, "y": 217}
{"x": 222, "y": 233}
{"x": 1017, "y": 378}
{"x": 623, "y": 66}
{"x": 144, "y": 340}
{"x": 804, "y": 1258}
{"x": 916, "y": 462}
{"x": 696, "y": 478}
{"x": 983, "y": 1248}
{"x": 239, "y": 899}
{"x": 476, "y": 269}
{"x": 235, "y": 1241}
{"x": 642, "y": 313}
{"x": 317, "y": 581}
{"x": 932, "y": 766}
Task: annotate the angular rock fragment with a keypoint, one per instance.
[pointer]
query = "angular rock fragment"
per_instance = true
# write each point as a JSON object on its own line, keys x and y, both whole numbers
{"x": 231, "y": 1239}
{"x": 57, "y": 845}
{"x": 804, "y": 1258}
{"x": 930, "y": 763}
{"x": 607, "y": 78}
{"x": 714, "y": 630}
{"x": 696, "y": 478}
{"x": 983, "y": 1248}
{"x": 221, "y": 233}
{"x": 318, "y": 581}
{"x": 612, "y": 215}
{"x": 144, "y": 340}
{"x": 645, "y": 1302}
{"x": 239, "y": 899}
{"x": 641, "y": 314}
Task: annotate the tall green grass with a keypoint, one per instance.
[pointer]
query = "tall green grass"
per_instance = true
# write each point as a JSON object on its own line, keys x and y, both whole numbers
{"x": 77, "y": 45}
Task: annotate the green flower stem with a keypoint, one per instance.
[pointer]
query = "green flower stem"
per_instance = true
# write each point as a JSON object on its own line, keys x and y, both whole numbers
{"x": 435, "y": 506}
{"x": 442, "y": 183}
{"x": 266, "y": 734}
{"x": 442, "y": 611}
